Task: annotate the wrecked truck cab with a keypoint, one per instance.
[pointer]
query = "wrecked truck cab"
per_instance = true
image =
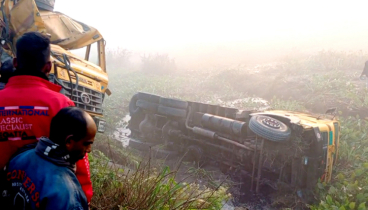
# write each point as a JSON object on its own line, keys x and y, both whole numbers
{"x": 268, "y": 147}
{"x": 321, "y": 132}
{"x": 82, "y": 81}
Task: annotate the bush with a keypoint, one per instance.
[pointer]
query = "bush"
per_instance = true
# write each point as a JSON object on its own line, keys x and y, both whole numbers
{"x": 147, "y": 188}
{"x": 290, "y": 105}
{"x": 324, "y": 61}
{"x": 118, "y": 59}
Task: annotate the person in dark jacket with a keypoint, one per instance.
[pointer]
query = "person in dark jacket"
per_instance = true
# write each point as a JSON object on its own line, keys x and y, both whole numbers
{"x": 44, "y": 177}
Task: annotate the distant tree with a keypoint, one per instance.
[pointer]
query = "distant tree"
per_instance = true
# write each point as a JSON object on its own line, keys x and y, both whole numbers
{"x": 118, "y": 58}
{"x": 158, "y": 63}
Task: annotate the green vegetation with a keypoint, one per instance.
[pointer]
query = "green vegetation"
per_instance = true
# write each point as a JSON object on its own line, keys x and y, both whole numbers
{"x": 311, "y": 83}
{"x": 349, "y": 188}
{"x": 145, "y": 187}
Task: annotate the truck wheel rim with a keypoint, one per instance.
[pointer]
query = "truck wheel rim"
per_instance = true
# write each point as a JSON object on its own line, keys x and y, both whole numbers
{"x": 271, "y": 123}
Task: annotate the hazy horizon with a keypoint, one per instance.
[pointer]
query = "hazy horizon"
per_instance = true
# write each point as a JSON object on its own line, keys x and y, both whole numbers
{"x": 231, "y": 32}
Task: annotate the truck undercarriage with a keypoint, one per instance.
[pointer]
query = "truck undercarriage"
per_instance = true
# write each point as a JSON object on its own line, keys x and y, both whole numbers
{"x": 269, "y": 147}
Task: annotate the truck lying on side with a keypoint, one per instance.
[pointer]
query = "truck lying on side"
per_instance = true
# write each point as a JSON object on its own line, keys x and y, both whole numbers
{"x": 83, "y": 81}
{"x": 270, "y": 146}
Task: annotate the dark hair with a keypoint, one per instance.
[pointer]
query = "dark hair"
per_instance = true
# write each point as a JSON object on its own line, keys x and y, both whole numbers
{"x": 68, "y": 121}
{"x": 6, "y": 70}
{"x": 33, "y": 51}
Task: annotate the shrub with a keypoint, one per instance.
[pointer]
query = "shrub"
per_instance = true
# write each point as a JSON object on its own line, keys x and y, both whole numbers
{"x": 118, "y": 58}
{"x": 147, "y": 188}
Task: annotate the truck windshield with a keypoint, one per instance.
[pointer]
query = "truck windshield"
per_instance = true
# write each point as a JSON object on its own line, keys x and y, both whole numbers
{"x": 93, "y": 55}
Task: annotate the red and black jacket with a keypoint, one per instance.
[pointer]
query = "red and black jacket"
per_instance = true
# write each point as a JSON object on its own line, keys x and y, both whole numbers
{"x": 27, "y": 105}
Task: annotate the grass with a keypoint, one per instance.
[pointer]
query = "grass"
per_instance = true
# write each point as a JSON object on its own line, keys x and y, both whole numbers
{"x": 145, "y": 187}
{"x": 299, "y": 82}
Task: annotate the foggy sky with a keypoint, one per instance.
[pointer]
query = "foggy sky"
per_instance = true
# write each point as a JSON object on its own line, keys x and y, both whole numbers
{"x": 224, "y": 28}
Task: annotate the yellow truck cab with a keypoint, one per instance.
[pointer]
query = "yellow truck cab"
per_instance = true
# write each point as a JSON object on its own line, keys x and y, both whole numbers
{"x": 83, "y": 81}
{"x": 326, "y": 130}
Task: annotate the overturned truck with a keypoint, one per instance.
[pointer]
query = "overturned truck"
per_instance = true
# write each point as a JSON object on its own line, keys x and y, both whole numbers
{"x": 273, "y": 146}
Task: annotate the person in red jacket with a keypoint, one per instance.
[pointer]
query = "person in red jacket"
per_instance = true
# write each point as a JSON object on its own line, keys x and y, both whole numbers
{"x": 29, "y": 102}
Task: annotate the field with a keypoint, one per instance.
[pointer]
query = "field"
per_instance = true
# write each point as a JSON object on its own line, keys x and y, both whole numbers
{"x": 310, "y": 83}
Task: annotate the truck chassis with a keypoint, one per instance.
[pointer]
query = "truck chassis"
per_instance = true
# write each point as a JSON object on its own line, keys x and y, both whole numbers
{"x": 269, "y": 147}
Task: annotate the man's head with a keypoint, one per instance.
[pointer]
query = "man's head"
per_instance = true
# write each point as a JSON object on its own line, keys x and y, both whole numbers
{"x": 75, "y": 129}
{"x": 33, "y": 53}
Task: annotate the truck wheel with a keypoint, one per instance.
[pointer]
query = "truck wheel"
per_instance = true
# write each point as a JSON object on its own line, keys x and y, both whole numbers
{"x": 174, "y": 103}
{"x": 269, "y": 128}
{"x": 148, "y": 97}
{"x": 145, "y": 105}
{"x": 133, "y": 108}
{"x": 172, "y": 112}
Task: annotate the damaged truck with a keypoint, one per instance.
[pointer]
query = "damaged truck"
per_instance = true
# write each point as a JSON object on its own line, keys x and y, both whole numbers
{"x": 269, "y": 147}
{"x": 83, "y": 80}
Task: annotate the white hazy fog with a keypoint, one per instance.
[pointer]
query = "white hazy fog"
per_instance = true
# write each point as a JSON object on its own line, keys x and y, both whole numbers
{"x": 224, "y": 32}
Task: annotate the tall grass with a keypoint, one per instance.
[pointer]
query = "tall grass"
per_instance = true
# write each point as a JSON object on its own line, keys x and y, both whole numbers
{"x": 146, "y": 187}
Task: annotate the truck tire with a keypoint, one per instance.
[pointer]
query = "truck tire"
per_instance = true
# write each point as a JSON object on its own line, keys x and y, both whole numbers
{"x": 172, "y": 112}
{"x": 174, "y": 103}
{"x": 269, "y": 128}
{"x": 133, "y": 108}
{"x": 148, "y": 106}
{"x": 149, "y": 97}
